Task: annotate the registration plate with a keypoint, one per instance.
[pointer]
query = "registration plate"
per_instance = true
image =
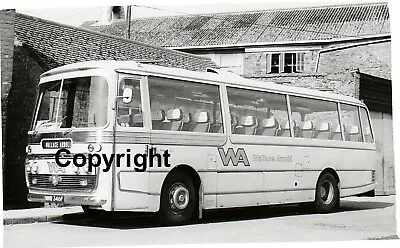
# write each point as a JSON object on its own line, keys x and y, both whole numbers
{"x": 54, "y": 198}
{"x": 56, "y": 144}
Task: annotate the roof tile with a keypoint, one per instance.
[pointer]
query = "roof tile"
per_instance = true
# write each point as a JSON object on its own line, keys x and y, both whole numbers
{"x": 320, "y": 23}
{"x": 57, "y": 44}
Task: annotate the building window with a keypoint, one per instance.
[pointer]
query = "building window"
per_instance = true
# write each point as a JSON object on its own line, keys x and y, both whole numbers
{"x": 232, "y": 62}
{"x": 285, "y": 62}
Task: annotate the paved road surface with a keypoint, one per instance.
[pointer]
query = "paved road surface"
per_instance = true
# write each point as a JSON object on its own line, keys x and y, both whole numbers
{"x": 358, "y": 218}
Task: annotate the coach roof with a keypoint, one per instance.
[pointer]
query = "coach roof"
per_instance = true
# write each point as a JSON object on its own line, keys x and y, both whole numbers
{"x": 213, "y": 75}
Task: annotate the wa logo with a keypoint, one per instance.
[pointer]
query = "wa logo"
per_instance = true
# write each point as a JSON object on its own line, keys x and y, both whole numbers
{"x": 236, "y": 158}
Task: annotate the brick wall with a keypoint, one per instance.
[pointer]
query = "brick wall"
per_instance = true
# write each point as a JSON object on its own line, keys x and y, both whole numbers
{"x": 321, "y": 81}
{"x": 6, "y": 62}
{"x": 373, "y": 59}
{"x": 20, "y": 105}
{"x": 337, "y": 70}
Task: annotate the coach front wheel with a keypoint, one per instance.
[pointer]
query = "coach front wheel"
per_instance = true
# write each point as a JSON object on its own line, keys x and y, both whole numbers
{"x": 179, "y": 199}
{"x": 326, "y": 194}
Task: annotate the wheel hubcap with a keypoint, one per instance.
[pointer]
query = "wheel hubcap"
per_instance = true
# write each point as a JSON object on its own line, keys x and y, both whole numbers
{"x": 327, "y": 192}
{"x": 178, "y": 197}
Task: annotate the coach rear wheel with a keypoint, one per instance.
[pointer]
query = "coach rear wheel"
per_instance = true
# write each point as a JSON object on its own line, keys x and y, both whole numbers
{"x": 178, "y": 200}
{"x": 326, "y": 194}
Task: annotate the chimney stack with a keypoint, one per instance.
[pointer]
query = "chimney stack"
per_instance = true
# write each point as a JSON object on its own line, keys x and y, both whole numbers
{"x": 112, "y": 14}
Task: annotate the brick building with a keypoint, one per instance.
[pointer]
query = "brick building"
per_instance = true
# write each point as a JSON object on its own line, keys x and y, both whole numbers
{"x": 31, "y": 46}
{"x": 344, "y": 49}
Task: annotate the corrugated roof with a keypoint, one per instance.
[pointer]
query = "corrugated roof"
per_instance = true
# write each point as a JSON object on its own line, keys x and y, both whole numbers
{"x": 57, "y": 44}
{"x": 286, "y": 25}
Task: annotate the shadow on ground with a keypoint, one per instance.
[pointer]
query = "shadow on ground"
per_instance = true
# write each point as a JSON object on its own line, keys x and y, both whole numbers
{"x": 129, "y": 220}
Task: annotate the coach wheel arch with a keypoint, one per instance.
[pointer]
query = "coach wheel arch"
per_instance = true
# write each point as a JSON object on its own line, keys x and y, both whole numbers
{"x": 183, "y": 168}
{"x": 331, "y": 171}
{"x": 179, "y": 200}
{"x": 327, "y": 191}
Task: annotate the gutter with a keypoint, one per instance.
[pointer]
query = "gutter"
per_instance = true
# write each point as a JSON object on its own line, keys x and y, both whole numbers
{"x": 289, "y": 43}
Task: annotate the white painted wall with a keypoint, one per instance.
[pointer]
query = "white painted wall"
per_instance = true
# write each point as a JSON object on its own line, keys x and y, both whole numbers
{"x": 385, "y": 175}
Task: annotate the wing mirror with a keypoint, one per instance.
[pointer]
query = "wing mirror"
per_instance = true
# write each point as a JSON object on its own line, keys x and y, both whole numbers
{"x": 126, "y": 95}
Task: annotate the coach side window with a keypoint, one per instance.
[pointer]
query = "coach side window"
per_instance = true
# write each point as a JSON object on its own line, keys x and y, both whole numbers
{"x": 178, "y": 105}
{"x": 351, "y": 122}
{"x": 257, "y": 113}
{"x": 366, "y": 126}
{"x": 130, "y": 114}
{"x": 315, "y": 119}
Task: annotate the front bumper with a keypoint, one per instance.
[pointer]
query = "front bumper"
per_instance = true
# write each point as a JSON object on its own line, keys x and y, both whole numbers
{"x": 68, "y": 199}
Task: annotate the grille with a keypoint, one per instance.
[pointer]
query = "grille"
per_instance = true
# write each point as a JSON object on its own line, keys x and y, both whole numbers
{"x": 67, "y": 182}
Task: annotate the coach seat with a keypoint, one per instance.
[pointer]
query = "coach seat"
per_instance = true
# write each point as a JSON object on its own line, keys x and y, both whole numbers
{"x": 286, "y": 129}
{"x": 323, "y": 131}
{"x": 157, "y": 118}
{"x": 187, "y": 122}
{"x": 306, "y": 130}
{"x": 201, "y": 122}
{"x": 174, "y": 120}
{"x": 248, "y": 125}
{"x": 137, "y": 120}
{"x": 354, "y": 134}
{"x": 336, "y": 134}
{"x": 268, "y": 127}
{"x": 216, "y": 126}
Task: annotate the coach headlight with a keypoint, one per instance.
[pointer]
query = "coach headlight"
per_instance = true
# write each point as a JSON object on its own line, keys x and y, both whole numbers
{"x": 97, "y": 147}
{"x": 90, "y": 148}
{"x": 94, "y": 147}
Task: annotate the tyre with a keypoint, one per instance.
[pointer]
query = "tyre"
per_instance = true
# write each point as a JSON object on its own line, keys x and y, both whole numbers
{"x": 179, "y": 200}
{"x": 326, "y": 194}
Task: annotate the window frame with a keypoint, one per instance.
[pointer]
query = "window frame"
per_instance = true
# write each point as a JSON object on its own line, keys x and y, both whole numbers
{"x": 360, "y": 123}
{"x": 143, "y": 102}
{"x": 299, "y": 58}
{"x": 263, "y": 91}
{"x": 337, "y": 103}
{"x": 189, "y": 81}
{"x": 369, "y": 124}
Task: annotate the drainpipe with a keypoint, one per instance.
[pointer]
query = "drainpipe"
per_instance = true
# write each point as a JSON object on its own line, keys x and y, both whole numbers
{"x": 128, "y": 21}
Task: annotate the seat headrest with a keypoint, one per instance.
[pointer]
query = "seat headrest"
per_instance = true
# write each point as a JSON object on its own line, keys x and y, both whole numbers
{"x": 187, "y": 118}
{"x": 269, "y": 123}
{"x": 354, "y": 130}
{"x": 307, "y": 125}
{"x": 201, "y": 117}
{"x": 158, "y": 115}
{"x": 137, "y": 118}
{"x": 248, "y": 121}
{"x": 324, "y": 127}
{"x": 174, "y": 114}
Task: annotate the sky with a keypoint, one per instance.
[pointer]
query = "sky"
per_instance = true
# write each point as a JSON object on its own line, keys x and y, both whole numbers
{"x": 74, "y": 12}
